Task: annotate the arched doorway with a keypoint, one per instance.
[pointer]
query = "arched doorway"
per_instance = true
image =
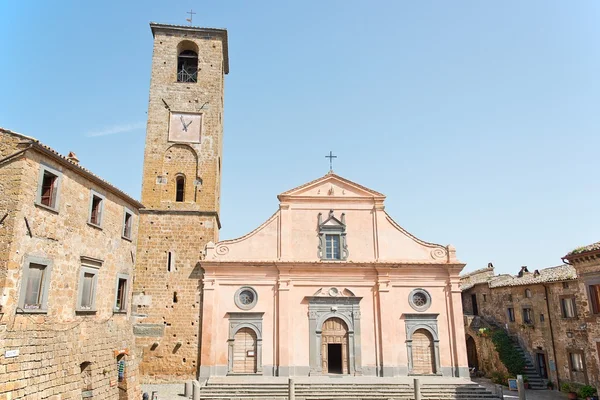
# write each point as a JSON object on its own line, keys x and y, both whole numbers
{"x": 244, "y": 351}
{"x": 423, "y": 355}
{"x": 334, "y": 346}
{"x": 472, "y": 353}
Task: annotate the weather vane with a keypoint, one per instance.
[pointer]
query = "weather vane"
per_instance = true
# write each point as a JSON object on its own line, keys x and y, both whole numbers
{"x": 331, "y": 157}
{"x": 191, "y": 12}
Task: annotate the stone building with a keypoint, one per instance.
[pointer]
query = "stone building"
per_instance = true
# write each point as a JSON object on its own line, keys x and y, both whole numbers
{"x": 67, "y": 255}
{"x": 544, "y": 311}
{"x": 181, "y": 188}
{"x": 586, "y": 261}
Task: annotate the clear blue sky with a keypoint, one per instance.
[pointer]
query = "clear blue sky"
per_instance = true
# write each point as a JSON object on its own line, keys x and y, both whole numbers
{"x": 479, "y": 120}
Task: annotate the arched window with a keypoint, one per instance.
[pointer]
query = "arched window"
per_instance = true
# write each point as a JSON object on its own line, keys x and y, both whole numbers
{"x": 187, "y": 66}
{"x": 180, "y": 188}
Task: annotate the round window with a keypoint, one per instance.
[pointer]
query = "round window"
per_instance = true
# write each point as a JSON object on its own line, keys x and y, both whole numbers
{"x": 245, "y": 298}
{"x": 419, "y": 299}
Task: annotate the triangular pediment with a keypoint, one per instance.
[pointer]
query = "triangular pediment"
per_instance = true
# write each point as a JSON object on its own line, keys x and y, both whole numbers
{"x": 332, "y": 185}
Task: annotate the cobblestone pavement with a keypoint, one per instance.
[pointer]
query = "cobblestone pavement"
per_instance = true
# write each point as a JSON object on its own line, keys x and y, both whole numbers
{"x": 529, "y": 394}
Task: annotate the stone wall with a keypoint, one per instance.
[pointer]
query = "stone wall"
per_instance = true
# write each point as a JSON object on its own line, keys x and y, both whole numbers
{"x": 549, "y": 333}
{"x": 53, "y": 346}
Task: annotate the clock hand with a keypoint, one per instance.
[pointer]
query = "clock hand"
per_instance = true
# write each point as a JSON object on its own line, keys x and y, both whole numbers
{"x": 189, "y": 123}
{"x": 183, "y": 123}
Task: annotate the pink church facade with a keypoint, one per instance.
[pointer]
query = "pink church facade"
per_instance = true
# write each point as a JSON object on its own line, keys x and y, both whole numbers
{"x": 331, "y": 284}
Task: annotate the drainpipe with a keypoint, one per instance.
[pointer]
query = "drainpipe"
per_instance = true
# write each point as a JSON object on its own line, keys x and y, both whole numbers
{"x": 552, "y": 337}
{"x": 7, "y": 158}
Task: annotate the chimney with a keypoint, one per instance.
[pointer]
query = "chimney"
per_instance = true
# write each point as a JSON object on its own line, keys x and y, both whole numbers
{"x": 73, "y": 158}
{"x": 523, "y": 271}
{"x": 490, "y": 265}
{"x": 536, "y": 273}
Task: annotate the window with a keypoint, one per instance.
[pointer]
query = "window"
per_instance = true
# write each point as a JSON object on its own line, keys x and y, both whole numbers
{"x": 542, "y": 318}
{"x": 419, "y": 299}
{"x": 245, "y": 298}
{"x": 511, "y": 314}
{"x": 332, "y": 237}
{"x": 510, "y": 297}
{"x": 48, "y": 190}
{"x": 332, "y": 247}
{"x": 88, "y": 282}
{"x": 187, "y": 66}
{"x": 576, "y": 362}
{"x": 180, "y": 188}
{"x": 594, "y": 298}
{"x": 484, "y": 297}
{"x": 527, "y": 316}
{"x": 565, "y": 285}
{"x": 170, "y": 261}
{"x": 35, "y": 285}
{"x": 121, "y": 293}
{"x": 567, "y": 306}
{"x": 127, "y": 224}
{"x": 96, "y": 208}
{"x": 528, "y": 293}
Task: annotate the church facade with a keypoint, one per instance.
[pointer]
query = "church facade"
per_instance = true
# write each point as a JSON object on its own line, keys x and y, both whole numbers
{"x": 331, "y": 284}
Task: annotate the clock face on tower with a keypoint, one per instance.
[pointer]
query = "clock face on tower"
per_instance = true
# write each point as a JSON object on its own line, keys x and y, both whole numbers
{"x": 185, "y": 127}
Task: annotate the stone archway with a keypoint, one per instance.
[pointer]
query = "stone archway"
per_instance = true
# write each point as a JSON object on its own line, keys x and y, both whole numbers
{"x": 472, "y": 358}
{"x": 334, "y": 346}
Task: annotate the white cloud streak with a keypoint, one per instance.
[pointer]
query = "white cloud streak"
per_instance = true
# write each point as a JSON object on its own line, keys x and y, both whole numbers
{"x": 116, "y": 129}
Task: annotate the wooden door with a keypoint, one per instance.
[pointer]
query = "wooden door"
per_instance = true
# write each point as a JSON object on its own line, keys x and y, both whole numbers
{"x": 423, "y": 356}
{"x": 334, "y": 331}
{"x": 244, "y": 351}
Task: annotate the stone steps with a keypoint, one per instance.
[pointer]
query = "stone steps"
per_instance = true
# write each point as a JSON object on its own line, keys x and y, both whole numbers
{"x": 342, "y": 391}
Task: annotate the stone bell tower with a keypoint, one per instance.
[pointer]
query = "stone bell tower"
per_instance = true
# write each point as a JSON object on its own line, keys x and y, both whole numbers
{"x": 181, "y": 192}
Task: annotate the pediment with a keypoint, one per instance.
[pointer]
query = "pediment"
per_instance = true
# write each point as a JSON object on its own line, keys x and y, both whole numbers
{"x": 331, "y": 185}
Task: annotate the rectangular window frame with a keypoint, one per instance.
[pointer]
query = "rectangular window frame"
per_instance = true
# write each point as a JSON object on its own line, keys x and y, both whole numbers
{"x": 511, "y": 314}
{"x": 38, "y": 199}
{"x": 124, "y": 233}
{"x": 101, "y": 211}
{"x": 123, "y": 308}
{"x": 530, "y": 320}
{"x": 45, "y": 286}
{"x": 564, "y": 309}
{"x": 593, "y": 298}
{"x": 90, "y": 266}
{"x": 339, "y": 247}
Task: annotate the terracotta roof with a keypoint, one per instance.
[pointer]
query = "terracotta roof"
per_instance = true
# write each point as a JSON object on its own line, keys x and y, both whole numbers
{"x": 189, "y": 28}
{"x": 585, "y": 249}
{"x": 49, "y": 151}
{"x": 559, "y": 273}
{"x": 332, "y": 174}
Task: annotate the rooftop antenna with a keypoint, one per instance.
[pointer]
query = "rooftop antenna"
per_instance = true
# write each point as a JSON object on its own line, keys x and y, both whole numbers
{"x": 191, "y": 12}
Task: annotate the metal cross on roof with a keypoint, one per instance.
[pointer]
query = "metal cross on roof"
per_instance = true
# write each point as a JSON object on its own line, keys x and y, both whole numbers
{"x": 191, "y": 12}
{"x": 331, "y": 157}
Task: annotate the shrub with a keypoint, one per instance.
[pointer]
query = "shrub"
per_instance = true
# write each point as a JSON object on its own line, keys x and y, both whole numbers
{"x": 565, "y": 387}
{"x": 513, "y": 362}
{"x": 586, "y": 391}
{"x": 499, "y": 378}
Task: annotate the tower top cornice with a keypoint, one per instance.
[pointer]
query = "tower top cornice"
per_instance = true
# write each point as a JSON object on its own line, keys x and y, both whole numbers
{"x": 206, "y": 32}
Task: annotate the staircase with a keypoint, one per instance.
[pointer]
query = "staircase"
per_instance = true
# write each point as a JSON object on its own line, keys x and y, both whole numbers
{"x": 533, "y": 377}
{"x": 221, "y": 390}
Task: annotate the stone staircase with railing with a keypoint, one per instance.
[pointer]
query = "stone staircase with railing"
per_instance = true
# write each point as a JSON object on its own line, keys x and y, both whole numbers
{"x": 534, "y": 379}
{"x": 320, "y": 390}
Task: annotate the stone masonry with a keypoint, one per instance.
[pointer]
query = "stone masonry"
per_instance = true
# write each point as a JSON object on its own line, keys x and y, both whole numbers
{"x": 173, "y": 233}
{"x": 58, "y": 352}
{"x": 548, "y": 330}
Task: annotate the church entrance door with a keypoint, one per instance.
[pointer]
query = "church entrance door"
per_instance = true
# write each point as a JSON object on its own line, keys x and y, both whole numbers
{"x": 334, "y": 347}
{"x": 244, "y": 351}
{"x": 423, "y": 356}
